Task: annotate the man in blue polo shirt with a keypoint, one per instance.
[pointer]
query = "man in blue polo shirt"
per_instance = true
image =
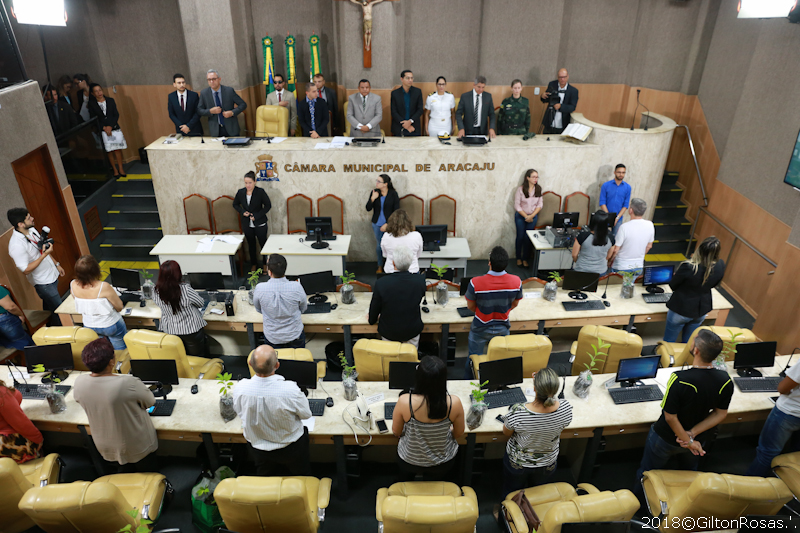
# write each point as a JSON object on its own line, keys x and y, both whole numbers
{"x": 615, "y": 196}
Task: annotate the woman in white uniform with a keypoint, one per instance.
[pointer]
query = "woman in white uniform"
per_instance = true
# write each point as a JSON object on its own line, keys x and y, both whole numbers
{"x": 440, "y": 109}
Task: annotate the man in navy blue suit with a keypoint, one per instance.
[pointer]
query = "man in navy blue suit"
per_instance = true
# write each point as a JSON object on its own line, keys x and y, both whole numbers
{"x": 182, "y": 107}
{"x": 312, "y": 113}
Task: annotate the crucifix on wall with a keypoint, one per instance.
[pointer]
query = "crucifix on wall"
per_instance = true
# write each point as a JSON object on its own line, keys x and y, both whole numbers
{"x": 366, "y": 8}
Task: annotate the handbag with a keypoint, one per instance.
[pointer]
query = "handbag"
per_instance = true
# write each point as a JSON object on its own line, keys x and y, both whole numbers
{"x": 115, "y": 142}
{"x": 527, "y": 510}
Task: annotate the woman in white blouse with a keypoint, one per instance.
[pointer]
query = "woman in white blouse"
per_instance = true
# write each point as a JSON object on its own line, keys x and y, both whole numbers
{"x": 527, "y": 204}
{"x": 98, "y": 302}
{"x": 440, "y": 110}
{"x": 400, "y": 232}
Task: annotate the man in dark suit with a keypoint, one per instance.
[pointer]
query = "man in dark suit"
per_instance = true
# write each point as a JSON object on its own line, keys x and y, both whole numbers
{"x": 557, "y": 117}
{"x": 475, "y": 111}
{"x": 62, "y": 116}
{"x": 328, "y": 94}
{"x": 406, "y": 107}
{"x": 182, "y": 108}
{"x": 253, "y": 204}
{"x": 217, "y": 102}
{"x": 312, "y": 113}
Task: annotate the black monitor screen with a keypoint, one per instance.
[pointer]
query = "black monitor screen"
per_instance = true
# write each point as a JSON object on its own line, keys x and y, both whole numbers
{"x": 755, "y": 354}
{"x": 657, "y": 275}
{"x": 596, "y": 527}
{"x": 318, "y": 282}
{"x": 323, "y": 225}
{"x": 611, "y": 217}
{"x": 52, "y": 356}
{"x": 793, "y": 172}
{"x": 464, "y": 286}
{"x": 155, "y": 370}
{"x": 636, "y": 368}
{"x": 304, "y": 373}
{"x": 125, "y": 278}
{"x": 580, "y": 281}
{"x": 402, "y": 375}
{"x": 501, "y": 372}
{"x": 434, "y": 233}
{"x": 210, "y": 281}
{"x": 565, "y": 220}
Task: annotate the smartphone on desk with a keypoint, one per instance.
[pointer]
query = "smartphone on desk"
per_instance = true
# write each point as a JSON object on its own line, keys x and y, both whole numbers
{"x": 127, "y": 311}
{"x": 382, "y": 426}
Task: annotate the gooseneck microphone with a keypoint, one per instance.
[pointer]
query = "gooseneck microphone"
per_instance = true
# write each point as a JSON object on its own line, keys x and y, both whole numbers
{"x": 605, "y": 290}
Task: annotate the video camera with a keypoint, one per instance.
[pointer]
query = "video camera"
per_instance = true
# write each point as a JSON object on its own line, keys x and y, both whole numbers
{"x": 45, "y": 238}
{"x": 554, "y": 99}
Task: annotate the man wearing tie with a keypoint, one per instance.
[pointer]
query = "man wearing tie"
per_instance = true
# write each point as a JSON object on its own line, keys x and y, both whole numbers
{"x": 327, "y": 94}
{"x": 217, "y": 103}
{"x": 475, "y": 112}
{"x": 280, "y": 96}
{"x": 557, "y": 118}
{"x": 182, "y": 108}
{"x": 364, "y": 112}
{"x": 312, "y": 113}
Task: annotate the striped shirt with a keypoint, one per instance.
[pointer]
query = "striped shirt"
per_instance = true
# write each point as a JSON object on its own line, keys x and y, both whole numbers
{"x": 494, "y": 294}
{"x": 271, "y": 410}
{"x": 427, "y": 444}
{"x": 536, "y": 435}
{"x": 282, "y": 303}
{"x": 186, "y": 321}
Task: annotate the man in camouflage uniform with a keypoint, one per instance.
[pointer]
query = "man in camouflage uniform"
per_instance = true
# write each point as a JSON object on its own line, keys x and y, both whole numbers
{"x": 515, "y": 112}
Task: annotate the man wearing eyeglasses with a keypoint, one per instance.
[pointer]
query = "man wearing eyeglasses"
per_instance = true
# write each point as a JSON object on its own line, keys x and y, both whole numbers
{"x": 221, "y": 105}
{"x": 557, "y": 115}
{"x": 280, "y": 96}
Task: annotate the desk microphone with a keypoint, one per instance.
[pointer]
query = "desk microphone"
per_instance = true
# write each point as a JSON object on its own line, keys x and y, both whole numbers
{"x": 268, "y": 138}
{"x": 10, "y": 364}
{"x": 564, "y": 386}
{"x": 578, "y": 295}
{"x": 605, "y": 290}
{"x": 783, "y": 372}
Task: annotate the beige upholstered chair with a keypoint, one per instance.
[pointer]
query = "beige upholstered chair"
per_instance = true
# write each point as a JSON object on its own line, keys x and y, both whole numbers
{"x": 149, "y": 344}
{"x": 415, "y": 207}
{"x": 226, "y": 218}
{"x": 197, "y": 210}
{"x": 426, "y": 506}
{"x": 443, "y": 211}
{"x": 272, "y": 121}
{"x": 534, "y": 350}
{"x": 679, "y": 354}
{"x": 78, "y": 337}
{"x": 551, "y": 204}
{"x": 298, "y": 207}
{"x": 372, "y": 357}
{"x": 787, "y": 468}
{"x": 16, "y": 480}
{"x": 624, "y": 345}
{"x": 332, "y": 206}
{"x": 294, "y": 354}
{"x": 578, "y": 202}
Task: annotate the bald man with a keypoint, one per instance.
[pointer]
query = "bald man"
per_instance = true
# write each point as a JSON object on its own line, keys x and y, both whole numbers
{"x": 557, "y": 115}
{"x": 272, "y": 410}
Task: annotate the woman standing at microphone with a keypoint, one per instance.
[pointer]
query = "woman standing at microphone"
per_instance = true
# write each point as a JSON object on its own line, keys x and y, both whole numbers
{"x": 253, "y": 204}
{"x": 383, "y": 201}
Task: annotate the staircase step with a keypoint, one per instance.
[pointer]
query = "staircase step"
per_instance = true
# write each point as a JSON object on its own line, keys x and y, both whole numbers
{"x": 669, "y": 197}
{"x": 668, "y": 216}
{"x": 118, "y": 253}
{"x": 142, "y": 202}
{"x": 135, "y": 187}
{"x": 672, "y": 233}
{"x": 669, "y": 178}
{"x": 670, "y": 203}
{"x": 668, "y": 247}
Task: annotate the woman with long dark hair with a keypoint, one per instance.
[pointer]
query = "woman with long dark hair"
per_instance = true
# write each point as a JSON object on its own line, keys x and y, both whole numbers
{"x": 382, "y": 201}
{"x": 253, "y": 204}
{"x": 105, "y": 109}
{"x": 591, "y": 248}
{"x": 527, "y": 204}
{"x": 428, "y": 422}
{"x": 180, "y": 309}
{"x": 691, "y": 290}
{"x": 98, "y": 302}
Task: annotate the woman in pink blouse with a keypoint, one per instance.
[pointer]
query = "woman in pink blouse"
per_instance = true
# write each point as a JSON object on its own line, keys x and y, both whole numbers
{"x": 527, "y": 204}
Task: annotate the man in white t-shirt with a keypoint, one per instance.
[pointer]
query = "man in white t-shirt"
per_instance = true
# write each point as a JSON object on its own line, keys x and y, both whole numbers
{"x": 634, "y": 239}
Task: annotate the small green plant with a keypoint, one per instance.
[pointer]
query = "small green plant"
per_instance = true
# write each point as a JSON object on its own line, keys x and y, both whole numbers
{"x": 143, "y": 527}
{"x": 555, "y": 276}
{"x": 628, "y": 276}
{"x": 145, "y": 274}
{"x": 252, "y": 279}
{"x": 595, "y": 357}
{"x": 202, "y": 491}
{"x": 347, "y": 278}
{"x": 40, "y": 368}
{"x": 440, "y": 271}
{"x": 347, "y": 370}
{"x": 478, "y": 392}
{"x": 728, "y": 349}
{"x": 225, "y": 383}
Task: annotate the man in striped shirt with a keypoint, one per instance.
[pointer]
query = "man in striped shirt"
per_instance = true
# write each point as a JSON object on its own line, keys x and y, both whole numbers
{"x": 491, "y": 298}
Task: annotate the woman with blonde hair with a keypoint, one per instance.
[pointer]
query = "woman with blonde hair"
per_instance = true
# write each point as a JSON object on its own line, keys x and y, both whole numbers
{"x": 400, "y": 231}
{"x": 691, "y": 290}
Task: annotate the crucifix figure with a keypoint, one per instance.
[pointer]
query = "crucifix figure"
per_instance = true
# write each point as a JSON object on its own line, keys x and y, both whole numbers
{"x": 366, "y": 6}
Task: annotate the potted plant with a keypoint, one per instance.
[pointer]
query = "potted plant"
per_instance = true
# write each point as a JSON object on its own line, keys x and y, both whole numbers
{"x": 252, "y": 280}
{"x": 728, "y": 351}
{"x": 551, "y": 287}
{"x": 225, "y": 397}
{"x": 148, "y": 288}
{"x": 347, "y": 294}
{"x": 478, "y": 407}
{"x": 584, "y": 382}
{"x": 55, "y": 399}
{"x": 349, "y": 377}
{"x": 441, "y": 287}
{"x": 143, "y": 527}
{"x": 628, "y": 277}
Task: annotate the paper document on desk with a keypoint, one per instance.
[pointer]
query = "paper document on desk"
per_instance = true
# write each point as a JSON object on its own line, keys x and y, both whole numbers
{"x": 309, "y": 423}
{"x": 276, "y": 140}
{"x": 204, "y": 245}
{"x": 533, "y": 294}
{"x": 322, "y": 146}
{"x": 577, "y": 131}
{"x": 227, "y": 239}
{"x": 339, "y": 142}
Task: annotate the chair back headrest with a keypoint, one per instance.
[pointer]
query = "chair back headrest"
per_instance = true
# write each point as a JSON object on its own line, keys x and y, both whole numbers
{"x": 729, "y": 496}
{"x": 725, "y": 333}
{"x": 272, "y": 120}
{"x": 603, "y": 506}
{"x": 534, "y": 350}
{"x": 149, "y": 344}
{"x": 787, "y": 468}
{"x": 292, "y": 354}
{"x": 372, "y": 357}
{"x": 436, "y": 507}
{"x": 266, "y": 504}
{"x": 13, "y": 485}
{"x": 624, "y": 345}
{"x": 76, "y": 336}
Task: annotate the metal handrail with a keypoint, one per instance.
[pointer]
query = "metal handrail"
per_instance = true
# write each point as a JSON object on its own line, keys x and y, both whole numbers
{"x": 696, "y": 164}
{"x": 736, "y": 238}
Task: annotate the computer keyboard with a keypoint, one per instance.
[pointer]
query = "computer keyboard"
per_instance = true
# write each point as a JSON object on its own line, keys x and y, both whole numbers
{"x": 130, "y": 296}
{"x": 431, "y": 247}
{"x": 758, "y": 384}
{"x": 504, "y": 397}
{"x": 388, "y": 410}
{"x": 324, "y": 307}
{"x": 317, "y": 407}
{"x": 640, "y": 393}
{"x": 32, "y": 391}
{"x": 163, "y": 408}
{"x": 657, "y": 298}
{"x": 584, "y": 305}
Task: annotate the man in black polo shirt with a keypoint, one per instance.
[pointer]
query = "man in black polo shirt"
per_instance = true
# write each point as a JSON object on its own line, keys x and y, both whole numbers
{"x": 395, "y": 301}
{"x": 696, "y": 400}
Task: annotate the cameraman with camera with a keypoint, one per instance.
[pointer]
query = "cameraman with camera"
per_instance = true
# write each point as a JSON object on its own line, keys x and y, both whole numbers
{"x": 561, "y": 99}
{"x": 32, "y": 255}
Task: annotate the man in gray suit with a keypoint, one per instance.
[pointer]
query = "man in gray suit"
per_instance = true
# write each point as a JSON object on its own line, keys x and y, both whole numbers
{"x": 282, "y": 97}
{"x": 475, "y": 112}
{"x": 364, "y": 112}
{"x": 217, "y": 103}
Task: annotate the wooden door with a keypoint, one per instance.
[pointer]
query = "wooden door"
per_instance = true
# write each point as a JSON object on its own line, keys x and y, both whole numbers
{"x": 41, "y": 191}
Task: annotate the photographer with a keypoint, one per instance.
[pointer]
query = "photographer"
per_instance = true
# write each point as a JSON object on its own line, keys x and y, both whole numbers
{"x": 35, "y": 262}
{"x": 562, "y": 98}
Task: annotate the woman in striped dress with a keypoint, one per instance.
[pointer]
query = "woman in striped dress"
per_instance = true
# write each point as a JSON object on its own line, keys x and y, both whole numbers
{"x": 180, "y": 309}
{"x": 534, "y": 429}
{"x": 428, "y": 422}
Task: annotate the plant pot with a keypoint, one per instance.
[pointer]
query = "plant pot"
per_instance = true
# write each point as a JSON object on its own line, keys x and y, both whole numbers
{"x": 350, "y": 386}
{"x": 148, "y": 288}
{"x": 250, "y": 294}
{"x": 55, "y": 400}
{"x": 226, "y": 408}
{"x": 550, "y": 290}
{"x": 626, "y": 291}
{"x": 583, "y": 384}
{"x": 442, "y": 295}
{"x": 475, "y": 415}
{"x": 347, "y": 294}
{"x": 719, "y": 363}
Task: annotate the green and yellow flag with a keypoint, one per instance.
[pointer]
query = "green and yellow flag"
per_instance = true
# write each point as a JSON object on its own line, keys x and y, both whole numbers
{"x": 269, "y": 63}
{"x": 291, "y": 73}
{"x": 313, "y": 41}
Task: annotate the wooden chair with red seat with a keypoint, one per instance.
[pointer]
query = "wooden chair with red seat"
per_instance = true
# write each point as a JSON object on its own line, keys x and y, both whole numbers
{"x": 358, "y": 286}
{"x": 227, "y": 220}
{"x": 298, "y": 207}
{"x": 415, "y": 207}
{"x": 551, "y": 204}
{"x": 332, "y": 206}
{"x": 578, "y": 202}
{"x": 197, "y": 210}
{"x": 533, "y": 283}
{"x": 443, "y": 211}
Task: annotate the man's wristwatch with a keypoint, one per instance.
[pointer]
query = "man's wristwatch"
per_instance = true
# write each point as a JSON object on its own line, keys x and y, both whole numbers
{"x": 691, "y": 440}
{"x": 58, "y": 264}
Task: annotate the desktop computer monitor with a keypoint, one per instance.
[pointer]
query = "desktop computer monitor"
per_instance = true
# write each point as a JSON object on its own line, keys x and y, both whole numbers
{"x": 657, "y": 275}
{"x": 609, "y": 219}
{"x": 577, "y": 282}
{"x": 501, "y": 373}
{"x": 55, "y": 358}
{"x": 304, "y": 373}
{"x": 319, "y": 228}
{"x": 402, "y": 375}
{"x": 156, "y": 371}
{"x": 634, "y": 369}
{"x": 125, "y": 278}
{"x": 433, "y": 237}
{"x": 317, "y": 283}
{"x": 565, "y": 220}
{"x": 462, "y": 290}
{"x": 752, "y": 355}
{"x": 210, "y": 281}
